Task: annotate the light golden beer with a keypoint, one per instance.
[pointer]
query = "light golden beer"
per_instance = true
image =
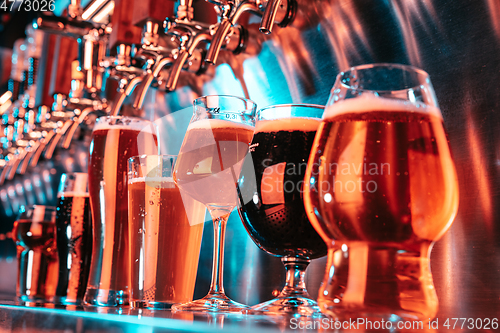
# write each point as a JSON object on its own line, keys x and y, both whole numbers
{"x": 164, "y": 246}
{"x": 210, "y": 160}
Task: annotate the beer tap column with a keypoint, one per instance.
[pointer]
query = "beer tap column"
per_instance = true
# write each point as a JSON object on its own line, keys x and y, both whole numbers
{"x": 16, "y": 73}
{"x": 190, "y": 34}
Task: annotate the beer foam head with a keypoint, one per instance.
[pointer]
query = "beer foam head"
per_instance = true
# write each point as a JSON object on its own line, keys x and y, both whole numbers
{"x": 135, "y": 124}
{"x": 217, "y": 123}
{"x": 369, "y": 103}
{"x": 156, "y": 182}
{"x": 288, "y": 124}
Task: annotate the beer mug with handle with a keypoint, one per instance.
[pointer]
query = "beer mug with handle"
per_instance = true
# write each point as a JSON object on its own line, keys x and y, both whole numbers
{"x": 380, "y": 189}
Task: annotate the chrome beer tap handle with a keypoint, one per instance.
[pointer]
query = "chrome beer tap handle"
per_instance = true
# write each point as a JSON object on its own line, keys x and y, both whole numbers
{"x": 230, "y": 12}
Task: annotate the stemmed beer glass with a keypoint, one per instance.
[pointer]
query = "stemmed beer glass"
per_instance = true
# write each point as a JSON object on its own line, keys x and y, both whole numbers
{"x": 275, "y": 217}
{"x": 207, "y": 169}
{"x": 380, "y": 189}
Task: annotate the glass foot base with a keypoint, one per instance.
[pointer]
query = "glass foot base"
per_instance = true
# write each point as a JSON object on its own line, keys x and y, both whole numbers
{"x": 62, "y": 300}
{"x": 212, "y": 303}
{"x": 288, "y": 305}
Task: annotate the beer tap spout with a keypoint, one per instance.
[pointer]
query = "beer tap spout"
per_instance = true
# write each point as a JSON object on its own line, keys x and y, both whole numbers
{"x": 280, "y": 11}
{"x": 190, "y": 35}
{"x": 122, "y": 94}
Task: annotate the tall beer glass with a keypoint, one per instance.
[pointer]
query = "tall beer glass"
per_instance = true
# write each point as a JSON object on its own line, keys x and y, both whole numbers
{"x": 114, "y": 141}
{"x": 34, "y": 234}
{"x": 381, "y": 188}
{"x": 275, "y": 218}
{"x": 207, "y": 169}
{"x": 73, "y": 238}
{"x": 165, "y": 233}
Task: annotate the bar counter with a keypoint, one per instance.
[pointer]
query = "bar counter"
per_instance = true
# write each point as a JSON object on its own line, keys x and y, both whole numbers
{"x": 31, "y": 317}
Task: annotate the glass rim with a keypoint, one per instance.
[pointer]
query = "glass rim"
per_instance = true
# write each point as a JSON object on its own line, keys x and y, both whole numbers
{"x": 289, "y": 105}
{"x": 409, "y": 68}
{"x": 249, "y": 104}
{"x": 123, "y": 117}
{"x": 138, "y": 157}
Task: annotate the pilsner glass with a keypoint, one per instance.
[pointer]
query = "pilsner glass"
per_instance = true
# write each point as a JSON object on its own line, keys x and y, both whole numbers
{"x": 381, "y": 188}
{"x": 165, "y": 233}
{"x": 34, "y": 234}
{"x": 114, "y": 141}
{"x": 73, "y": 238}
{"x": 275, "y": 218}
{"x": 207, "y": 169}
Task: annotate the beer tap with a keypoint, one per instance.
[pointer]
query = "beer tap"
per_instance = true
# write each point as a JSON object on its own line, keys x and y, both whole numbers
{"x": 43, "y": 133}
{"x": 16, "y": 73}
{"x": 275, "y": 11}
{"x": 87, "y": 74}
{"x": 63, "y": 118}
{"x": 123, "y": 68}
{"x": 189, "y": 34}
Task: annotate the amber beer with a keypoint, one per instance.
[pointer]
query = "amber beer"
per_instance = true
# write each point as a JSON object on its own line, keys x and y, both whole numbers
{"x": 277, "y": 222}
{"x": 165, "y": 238}
{"x": 214, "y": 167}
{"x": 34, "y": 234}
{"x": 74, "y": 246}
{"x": 387, "y": 188}
{"x": 114, "y": 141}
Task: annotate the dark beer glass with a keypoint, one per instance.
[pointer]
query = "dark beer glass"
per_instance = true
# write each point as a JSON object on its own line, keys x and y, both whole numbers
{"x": 381, "y": 188}
{"x": 73, "y": 238}
{"x": 34, "y": 234}
{"x": 207, "y": 169}
{"x": 275, "y": 218}
{"x": 165, "y": 230}
{"x": 114, "y": 141}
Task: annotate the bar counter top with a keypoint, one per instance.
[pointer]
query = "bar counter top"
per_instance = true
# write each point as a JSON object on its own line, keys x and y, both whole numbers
{"x": 31, "y": 317}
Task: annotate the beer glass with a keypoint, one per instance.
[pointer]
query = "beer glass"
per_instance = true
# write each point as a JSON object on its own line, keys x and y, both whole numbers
{"x": 165, "y": 233}
{"x": 34, "y": 234}
{"x": 207, "y": 169}
{"x": 380, "y": 189}
{"x": 114, "y": 141}
{"x": 73, "y": 238}
{"x": 275, "y": 218}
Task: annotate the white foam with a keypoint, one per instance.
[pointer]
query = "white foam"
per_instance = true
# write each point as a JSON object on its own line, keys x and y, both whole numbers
{"x": 72, "y": 194}
{"x": 288, "y": 124}
{"x": 134, "y": 124}
{"x": 217, "y": 123}
{"x": 369, "y": 103}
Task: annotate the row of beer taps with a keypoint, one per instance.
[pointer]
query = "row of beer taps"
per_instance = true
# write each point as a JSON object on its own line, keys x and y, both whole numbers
{"x": 31, "y": 133}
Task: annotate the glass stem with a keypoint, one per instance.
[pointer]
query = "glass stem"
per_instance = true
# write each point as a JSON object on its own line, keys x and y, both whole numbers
{"x": 295, "y": 285}
{"x": 216, "y": 286}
